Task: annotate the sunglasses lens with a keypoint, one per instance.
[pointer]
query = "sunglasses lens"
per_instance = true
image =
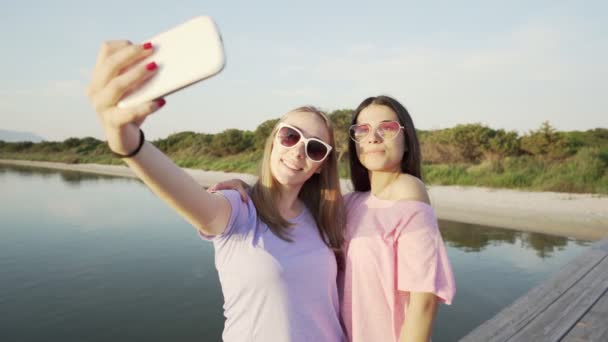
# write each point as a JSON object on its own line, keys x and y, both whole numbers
{"x": 288, "y": 137}
{"x": 389, "y": 130}
{"x": 315, "y": 150}
{"x": 359, "y": 132}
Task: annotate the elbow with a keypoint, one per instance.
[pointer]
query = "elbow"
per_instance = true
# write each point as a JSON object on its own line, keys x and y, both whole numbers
{"x": 425, "y": 305}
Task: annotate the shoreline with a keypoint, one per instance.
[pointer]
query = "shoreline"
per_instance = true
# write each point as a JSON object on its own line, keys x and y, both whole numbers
{"x": 580, "y": 216}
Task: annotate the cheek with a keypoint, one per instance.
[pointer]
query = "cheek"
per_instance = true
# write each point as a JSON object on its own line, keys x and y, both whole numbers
{"x": 276, "y": 153}
{"x": 358, "y": 151}
{"x": 402, "y": 146}
{"x": 275, "y": 156}
{"x": 397, "y": 151}
{"x": 316, "y": 167}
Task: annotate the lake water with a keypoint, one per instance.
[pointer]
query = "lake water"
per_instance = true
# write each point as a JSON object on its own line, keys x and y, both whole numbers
{"x": 95, "y": 258}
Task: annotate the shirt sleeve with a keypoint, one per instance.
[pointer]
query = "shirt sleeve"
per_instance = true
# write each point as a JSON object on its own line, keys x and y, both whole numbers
{"x": 240, "y": 214}
{"x": 422, "y": 261}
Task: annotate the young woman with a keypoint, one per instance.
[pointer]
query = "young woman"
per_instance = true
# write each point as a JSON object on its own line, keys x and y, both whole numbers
{"x": 396, "y": 266}
{"x": 274, "y": 252}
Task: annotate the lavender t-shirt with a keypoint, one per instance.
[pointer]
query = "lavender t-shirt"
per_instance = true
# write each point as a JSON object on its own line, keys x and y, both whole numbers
{"x": 275, "y": 290}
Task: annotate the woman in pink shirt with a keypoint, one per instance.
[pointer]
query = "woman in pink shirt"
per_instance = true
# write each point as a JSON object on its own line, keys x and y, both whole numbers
{"x": 396, "y": 268}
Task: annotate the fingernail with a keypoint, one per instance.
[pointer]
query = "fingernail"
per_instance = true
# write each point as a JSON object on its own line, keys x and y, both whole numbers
{"x": 151, "y": 66}
{"x": 147, "y": 46}
{"x": 160, "y": 102}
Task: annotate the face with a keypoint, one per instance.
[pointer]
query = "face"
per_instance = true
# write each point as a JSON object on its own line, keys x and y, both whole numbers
{"x": 290, "y": 166}
{"x": 374, "y": 152}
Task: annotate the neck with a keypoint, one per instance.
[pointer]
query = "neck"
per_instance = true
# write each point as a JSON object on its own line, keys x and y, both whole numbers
{"x": 288, "y": 203}
{"x": 381, "y": 180}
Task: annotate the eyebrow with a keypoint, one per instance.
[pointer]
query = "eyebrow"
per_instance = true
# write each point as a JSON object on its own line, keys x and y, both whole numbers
{"x": 387, "y": 120}
{"x": 314, "y": 136}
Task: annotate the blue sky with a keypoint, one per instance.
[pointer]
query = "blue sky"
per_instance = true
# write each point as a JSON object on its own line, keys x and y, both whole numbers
{"x": 509, "y": 65}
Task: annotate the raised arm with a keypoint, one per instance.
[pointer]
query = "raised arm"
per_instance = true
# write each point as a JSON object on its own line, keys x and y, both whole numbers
{"x": 118, "y": 71}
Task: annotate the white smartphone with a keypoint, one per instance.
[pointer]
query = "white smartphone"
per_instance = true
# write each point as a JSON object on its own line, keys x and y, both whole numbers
{"x": 186, "y": 54}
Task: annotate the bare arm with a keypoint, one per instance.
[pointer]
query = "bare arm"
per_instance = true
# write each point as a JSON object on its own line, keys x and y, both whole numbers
{"x": 207, "y": 212}
{"x": 418, "y": 323}
{"x": 117, "y": 72}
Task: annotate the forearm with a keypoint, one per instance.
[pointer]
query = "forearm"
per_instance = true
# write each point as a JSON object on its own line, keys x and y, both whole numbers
{"x": 418, "y": 323}
{"x": 176, "y": 187}
{"x": 117, "y": 72}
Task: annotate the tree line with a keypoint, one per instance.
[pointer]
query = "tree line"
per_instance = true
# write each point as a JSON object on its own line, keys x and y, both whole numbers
{"x": 466, "y": 143}
{"x": 467, "y": 154}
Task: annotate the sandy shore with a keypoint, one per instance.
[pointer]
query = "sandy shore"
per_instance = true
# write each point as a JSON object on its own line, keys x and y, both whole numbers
{"x": 582, "y": 216}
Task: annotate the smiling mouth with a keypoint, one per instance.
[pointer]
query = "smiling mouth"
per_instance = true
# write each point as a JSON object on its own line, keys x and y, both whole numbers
{"x": 374, "y": 152}
{"x": 291, "y": 167}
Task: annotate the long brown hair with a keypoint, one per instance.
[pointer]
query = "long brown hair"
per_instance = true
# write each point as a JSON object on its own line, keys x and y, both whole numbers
{"x": 320, "y": 193}
{"x": 410, "y": 161}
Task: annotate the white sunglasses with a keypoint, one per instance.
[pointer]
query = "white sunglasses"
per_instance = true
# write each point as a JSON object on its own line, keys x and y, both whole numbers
{"x": 316, "y": 149}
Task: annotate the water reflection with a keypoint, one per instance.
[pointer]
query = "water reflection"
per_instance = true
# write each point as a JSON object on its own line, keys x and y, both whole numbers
{"x": 475, "y": 238}
{"x": 464, "y": 236}
{"x": 71, "y": 178}
{"x": 77, "y": 249}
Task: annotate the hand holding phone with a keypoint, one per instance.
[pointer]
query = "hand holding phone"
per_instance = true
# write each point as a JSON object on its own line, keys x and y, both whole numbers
{"x": 185, "y": 55}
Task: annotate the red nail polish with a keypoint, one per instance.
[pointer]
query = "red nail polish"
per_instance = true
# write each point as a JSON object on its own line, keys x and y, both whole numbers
{"x": 147, "y": 46}
{"x": 160, "y": 102}
{"x": 151, "y": 66}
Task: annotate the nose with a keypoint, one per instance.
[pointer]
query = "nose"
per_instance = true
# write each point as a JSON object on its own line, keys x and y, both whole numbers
{"x": 374, "y": 137}
{"x": 299, "y": 150}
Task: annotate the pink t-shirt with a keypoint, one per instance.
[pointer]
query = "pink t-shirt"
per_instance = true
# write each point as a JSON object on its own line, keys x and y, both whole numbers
{"x": 392, "y": 248}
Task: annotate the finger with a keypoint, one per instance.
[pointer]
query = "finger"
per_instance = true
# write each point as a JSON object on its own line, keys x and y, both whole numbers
{"x": 244, "y": 195}
{"x": 137, "y": 83}
{"x": 118, "y": 63}
{"x": 142, "y": 111}
{"x": 127, "y": 82}
{"x": 135, "y": 115}
{"x": 105, "y": 50}
{"x": 225, "y": 185}
{"x": 108, "y": 48}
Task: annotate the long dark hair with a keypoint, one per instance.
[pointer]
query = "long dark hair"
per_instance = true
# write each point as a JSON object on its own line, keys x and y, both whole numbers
{"x": 410, "y": 162}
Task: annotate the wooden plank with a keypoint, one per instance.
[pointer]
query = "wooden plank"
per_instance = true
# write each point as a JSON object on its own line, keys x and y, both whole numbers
{"x": 516, "y": 316}
{"x": 593, "y": 326}
{"x": 559, "y": 318}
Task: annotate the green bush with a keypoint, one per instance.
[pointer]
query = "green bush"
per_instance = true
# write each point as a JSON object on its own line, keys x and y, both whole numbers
{"x": 231, "y": 141}
{"x": 546, "y": 142}
{"x": 262, "y": 132}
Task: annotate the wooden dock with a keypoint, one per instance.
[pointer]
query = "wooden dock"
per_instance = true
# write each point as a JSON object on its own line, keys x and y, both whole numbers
{"x": 570, "y": 306}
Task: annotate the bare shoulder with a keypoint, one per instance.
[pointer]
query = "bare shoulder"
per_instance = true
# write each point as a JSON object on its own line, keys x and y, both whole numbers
{"x": 409, "y": 188}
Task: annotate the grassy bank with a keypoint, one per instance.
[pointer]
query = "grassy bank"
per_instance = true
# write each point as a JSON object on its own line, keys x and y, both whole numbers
{"x": 584, "y": 172}
{"x": 468, "y": 154}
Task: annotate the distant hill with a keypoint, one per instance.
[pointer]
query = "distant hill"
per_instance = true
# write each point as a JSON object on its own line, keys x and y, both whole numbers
{"x": 13, "y": 136}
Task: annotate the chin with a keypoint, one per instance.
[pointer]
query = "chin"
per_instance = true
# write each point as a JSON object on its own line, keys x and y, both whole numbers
{"x": 380, "y": 166}
{"x": 287, "y": 180}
